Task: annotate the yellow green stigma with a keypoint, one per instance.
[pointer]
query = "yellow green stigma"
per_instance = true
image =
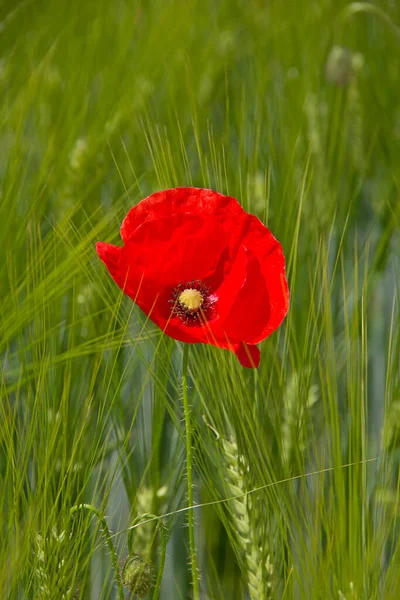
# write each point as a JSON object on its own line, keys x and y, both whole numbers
{"x": 191, "y": 299}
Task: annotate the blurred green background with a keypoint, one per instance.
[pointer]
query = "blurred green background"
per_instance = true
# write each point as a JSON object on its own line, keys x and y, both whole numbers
{"x": 291, "y": 106}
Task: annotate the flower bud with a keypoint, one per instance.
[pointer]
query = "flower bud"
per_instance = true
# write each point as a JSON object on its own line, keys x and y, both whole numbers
{"x": 138, "y": 575}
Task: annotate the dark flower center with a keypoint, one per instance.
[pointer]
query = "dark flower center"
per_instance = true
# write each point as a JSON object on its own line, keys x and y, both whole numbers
{"x": 191, "y": 302}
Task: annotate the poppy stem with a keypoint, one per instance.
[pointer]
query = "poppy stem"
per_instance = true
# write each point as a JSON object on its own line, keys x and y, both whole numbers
{"x": 106, "y": 532}
{"x": 189, "y": 471}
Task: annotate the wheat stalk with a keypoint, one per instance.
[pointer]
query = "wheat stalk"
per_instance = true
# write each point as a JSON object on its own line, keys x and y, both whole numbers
{"x": 259, "y": 572}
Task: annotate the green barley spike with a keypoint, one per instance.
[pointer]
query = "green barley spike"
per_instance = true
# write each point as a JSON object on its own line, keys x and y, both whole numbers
{"x": 259, "y": 575}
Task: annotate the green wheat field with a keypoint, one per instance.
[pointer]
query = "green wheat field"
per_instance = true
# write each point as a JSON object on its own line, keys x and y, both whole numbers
{"x": 293, "y": 108}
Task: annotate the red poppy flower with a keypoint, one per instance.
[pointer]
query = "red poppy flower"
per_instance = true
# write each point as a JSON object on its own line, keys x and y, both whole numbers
{"x": 202, "y": 269}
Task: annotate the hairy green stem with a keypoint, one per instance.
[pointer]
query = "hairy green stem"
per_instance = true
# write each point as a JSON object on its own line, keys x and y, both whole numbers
{"x": 189, "y": 471}
{"x": 161, "y": 528}
{"x": 107, "y": 535}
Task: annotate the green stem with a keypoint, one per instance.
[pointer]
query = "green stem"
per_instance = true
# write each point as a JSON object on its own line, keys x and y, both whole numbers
{"x": 163, "y": 531}
{"x": 106, "y": 533}
{"x": 189, "y": 471}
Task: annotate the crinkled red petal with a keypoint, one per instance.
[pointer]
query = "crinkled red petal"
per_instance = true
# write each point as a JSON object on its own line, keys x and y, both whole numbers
{"x": 231, "y": 283}
{"x": 153, "y": 301}
{"x": 248, "y": 355}
{"x": 273, "y": 270}
{"x": 250, "y": 313}
{"x": 262, "y": 302}
{"x": 110, "y": 255}
{"x": 197, "y": 201}
{"x": 175, "y": 249}
{"x": 259, "y": 240}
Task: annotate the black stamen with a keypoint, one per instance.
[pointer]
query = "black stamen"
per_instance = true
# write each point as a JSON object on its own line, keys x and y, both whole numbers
{"x": 192, "y": 316}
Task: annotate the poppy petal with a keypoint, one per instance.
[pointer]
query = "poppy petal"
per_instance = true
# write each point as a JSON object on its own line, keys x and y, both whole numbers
{"x": 273, "y": 270}
{"x": 231, "y": 284}
{"x": 248, "y": 355}
{"x": 180, "y": 200}
{"x": 175, "y": 249}
{"x": 250, "y": 313}
{"x": 153, "y": 298}
{"x": 111, "y": 255}
{"x": 142, "y": 292}
{"x": 262, "y": 302}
